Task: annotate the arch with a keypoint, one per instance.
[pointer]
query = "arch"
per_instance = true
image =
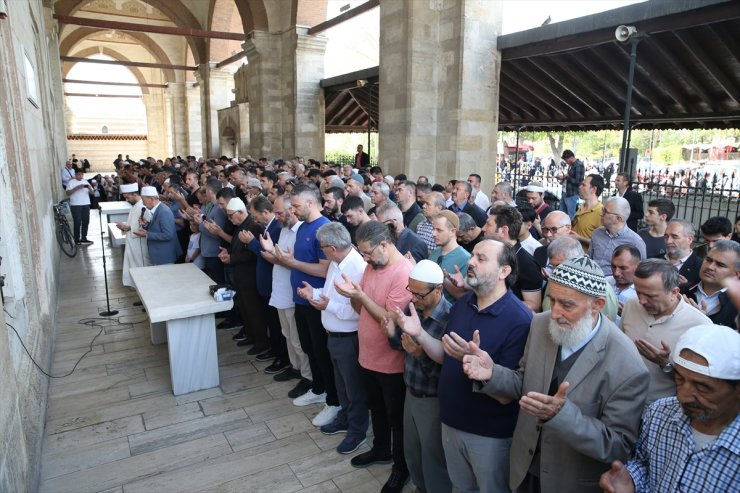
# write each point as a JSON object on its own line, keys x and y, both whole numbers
{"x": 224, "y": 16}
{"x": 178, "y": 13}
{"x": 79, "y": 34}
{"x": 67, "y": 66}
{"x": 254, "y": 15}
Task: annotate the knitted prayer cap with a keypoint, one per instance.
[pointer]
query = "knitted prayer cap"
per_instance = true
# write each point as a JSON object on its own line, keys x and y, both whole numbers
{"x": 583, "y": 275}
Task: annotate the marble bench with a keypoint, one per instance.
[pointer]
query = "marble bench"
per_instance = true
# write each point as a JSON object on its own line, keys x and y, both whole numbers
{"x": 181, "y": 312}
{"x": 117, "y": 237}
{"x": 115, "y": 212}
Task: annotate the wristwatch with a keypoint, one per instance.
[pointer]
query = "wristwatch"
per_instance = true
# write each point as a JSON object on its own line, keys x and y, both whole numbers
{"x": 667, "y": 368}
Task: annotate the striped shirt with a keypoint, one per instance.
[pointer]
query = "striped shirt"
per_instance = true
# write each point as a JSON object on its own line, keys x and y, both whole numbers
{"x": 666, "y": 459}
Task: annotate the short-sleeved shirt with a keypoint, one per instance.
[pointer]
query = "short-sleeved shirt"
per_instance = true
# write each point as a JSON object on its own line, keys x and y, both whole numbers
{"x": 387, "y": 288}
{"x": 81, "y": 196}
{"x": 603, "y": 245}
{"x": 587, "y": 220}
{"x": 503, "y": 327}
{"x": 457, "y": 257}
{"x": 529, "y": 276}
{"x": 307, "y": 249}
{"x": 654, "y": 247}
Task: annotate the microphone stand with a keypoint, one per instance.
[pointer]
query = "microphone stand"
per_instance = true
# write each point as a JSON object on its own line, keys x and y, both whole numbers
{"x": 108, "y": 312}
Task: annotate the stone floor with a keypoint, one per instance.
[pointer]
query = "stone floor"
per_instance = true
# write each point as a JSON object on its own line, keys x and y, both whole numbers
{"x": 114, "y": 425}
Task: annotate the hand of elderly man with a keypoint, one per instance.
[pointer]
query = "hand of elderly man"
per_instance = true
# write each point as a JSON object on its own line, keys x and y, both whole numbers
{"x": 410, "y": 324}
{"x": 456, "y": 346}
{"x": 477, "y": 365}
{"x": 245, "y": 236}
{"x": 617, "y": 479}
{"x": 410, "y": 346}
{"x": 544, "y": 407}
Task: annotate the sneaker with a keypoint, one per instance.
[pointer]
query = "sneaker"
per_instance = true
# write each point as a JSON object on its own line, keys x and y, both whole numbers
{"x": 370, "y": 457}
{"x": 257, "y": 350}
{"x": 335, "y": 427}
{"x": 239, "y": 336}
{"x": 288, "y": 374}
{"x": 277, "y": 366}
{"x": 247, "y": 341}
{"x": 309, "y": 398}
{"x": 396, "y": 482}
{"x": 326, "y": 416}
{"x": 301, "y": 388}
{"x": 86, "y": 242}
{"x": 350, "y": 444}
{"x": 265, "y": 356}
{"x": 228, "y": 325}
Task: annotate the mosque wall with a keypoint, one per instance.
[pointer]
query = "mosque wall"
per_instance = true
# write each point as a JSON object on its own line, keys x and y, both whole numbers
{"x": 32, "y": 151}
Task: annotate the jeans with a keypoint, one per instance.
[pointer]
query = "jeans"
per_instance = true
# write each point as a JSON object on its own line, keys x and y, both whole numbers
{"x": 569, "y": 205}
{"x": 81, "y": 219}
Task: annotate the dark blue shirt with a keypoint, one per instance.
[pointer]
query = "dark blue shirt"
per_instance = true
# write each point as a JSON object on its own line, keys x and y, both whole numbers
{"x": 504, "y": 327}
{"x": 307, "y": 249}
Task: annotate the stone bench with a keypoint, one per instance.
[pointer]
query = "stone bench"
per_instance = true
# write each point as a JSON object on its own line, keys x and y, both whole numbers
{"x": 115, "y": 212}
{"x": 117, "y": 237}
{"x": 181, "y": 312}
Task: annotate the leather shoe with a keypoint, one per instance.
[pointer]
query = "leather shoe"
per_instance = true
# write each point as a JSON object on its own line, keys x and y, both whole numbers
{"x": 257, "y": 350}
{"x": 265, "y": 356}
{"x": 287, "y": 374}
{"x": 370, "y": 457}
{"x": 396, "y": 482}
{"x": 277, "y": 366}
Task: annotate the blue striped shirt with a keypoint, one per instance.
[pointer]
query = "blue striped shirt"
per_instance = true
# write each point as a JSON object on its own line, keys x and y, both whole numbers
{"x": 666, "y": 459}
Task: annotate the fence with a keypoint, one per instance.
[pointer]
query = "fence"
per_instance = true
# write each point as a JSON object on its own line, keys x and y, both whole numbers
{"x": 343, "y": 159}
{"x": 697, "y": 197}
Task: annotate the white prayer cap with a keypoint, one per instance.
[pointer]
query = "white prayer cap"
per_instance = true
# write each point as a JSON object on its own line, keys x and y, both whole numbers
{"x": 167, "y": 181}
{"x": 149, "y": 192}
{"x": 427, "y": 271}
{"x": 130, "y": 188}
{"x": 535, "y": 187}
{"x": 717, "y": 344}
{"x": 254, "y": 183}
{"x": 236, "y": 204}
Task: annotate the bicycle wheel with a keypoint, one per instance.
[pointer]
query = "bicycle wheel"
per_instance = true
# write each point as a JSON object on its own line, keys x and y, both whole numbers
{"x": 66, "y": 240}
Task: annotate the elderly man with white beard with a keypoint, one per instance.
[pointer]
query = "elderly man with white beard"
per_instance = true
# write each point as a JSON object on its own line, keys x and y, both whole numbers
{"x": 581, "y": 386}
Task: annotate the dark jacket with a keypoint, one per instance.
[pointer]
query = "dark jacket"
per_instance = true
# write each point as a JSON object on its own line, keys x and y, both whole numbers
{"x": 637, "y": 210}
{"x": 690, "y": 270}
{"x": 408, "y": 241}
{"x": 243, "y": 260}
{"x": 264, "y": 268}
{"x": 727, "y": 312}
{"x": 478, "y": 214}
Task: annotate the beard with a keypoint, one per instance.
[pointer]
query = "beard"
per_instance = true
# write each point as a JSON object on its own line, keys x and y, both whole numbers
{"x": 570, "y": 336}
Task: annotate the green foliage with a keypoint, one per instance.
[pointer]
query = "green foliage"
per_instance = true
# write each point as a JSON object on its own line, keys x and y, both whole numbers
{"x": 667, "y": 154}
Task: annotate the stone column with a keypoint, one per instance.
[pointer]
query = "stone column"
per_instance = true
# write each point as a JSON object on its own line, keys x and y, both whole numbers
{"x": 176, "y": 92}
{"x": 194, "y": 129}
{"x": 306, "y": 137}
{"x": 155, "y": 124}
{"x": 244, "y": 140}
{"x": 439, "y": 76}
{"x": 215, "y": 93}
{"x": 264, "y": 94}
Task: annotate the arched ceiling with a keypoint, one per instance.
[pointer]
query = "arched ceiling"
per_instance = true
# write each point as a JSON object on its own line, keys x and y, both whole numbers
{"x": 81, "y": 33}
{"x": 67, "y": 66}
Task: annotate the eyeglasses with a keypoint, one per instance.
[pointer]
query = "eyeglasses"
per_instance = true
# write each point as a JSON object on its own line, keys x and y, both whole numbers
{"x": 551, "y": 231}
{"x": 370, "y": 253}
{"x": 229, "y": 214}
{"x": 419, "y": 295}
{"x": 604, "y": 212}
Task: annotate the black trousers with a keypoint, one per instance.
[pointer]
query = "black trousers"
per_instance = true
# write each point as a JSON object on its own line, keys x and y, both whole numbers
{"x": 386, "y": 393}
{"x": 277, "y": 341}
{"x": 313, "y": 338}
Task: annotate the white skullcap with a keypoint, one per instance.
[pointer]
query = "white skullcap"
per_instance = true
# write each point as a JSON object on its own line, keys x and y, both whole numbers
{"x": 254, "y": 183}
{"x": 149, "y": 192}
{"x": 236, "y": 204}
{"x": 130, "y": 188}
{"x": 167, "y": 181}
{"x": 535, "y": 187}
{"x": 717, "y": 344}
{"x": 427, "y": 271}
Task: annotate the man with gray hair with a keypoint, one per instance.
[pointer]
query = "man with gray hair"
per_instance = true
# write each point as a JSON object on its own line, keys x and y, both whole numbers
{"x": 580, "y": 385}
{"x": 612, "y": 233}
{"x": 722, "y": 262}
{"x": 434, "y": 203}
{"x": 655, "y": 319}
{"x": 679, "y": 235}
{"x": 340, "y": 321}
{"x": 555, "y": 225}
{"x": 503, "y": 191}
{"x": 407, "y": 242}
{"x": 468, "y": 234}
{"x": 461, "y": 202}
{"x": 379, "y": 195}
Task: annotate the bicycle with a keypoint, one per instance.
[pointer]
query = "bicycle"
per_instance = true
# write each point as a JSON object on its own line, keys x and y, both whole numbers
{"x": 63, "y": 232}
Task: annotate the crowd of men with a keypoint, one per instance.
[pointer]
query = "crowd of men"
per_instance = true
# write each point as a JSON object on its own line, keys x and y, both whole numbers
{"x": 494, "y": 344}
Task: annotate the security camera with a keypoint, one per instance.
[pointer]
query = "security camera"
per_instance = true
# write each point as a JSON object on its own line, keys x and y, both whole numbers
{"x": 624, "y": 33}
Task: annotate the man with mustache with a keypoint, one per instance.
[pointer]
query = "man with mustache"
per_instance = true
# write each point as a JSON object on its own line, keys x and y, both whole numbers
{"x": 721, "y": 262}
{"x": 580, "y": 384}
{"x": 690, "y": 442}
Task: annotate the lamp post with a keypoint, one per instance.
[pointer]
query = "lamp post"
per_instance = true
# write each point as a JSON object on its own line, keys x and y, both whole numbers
{"x": 629, "y": 34}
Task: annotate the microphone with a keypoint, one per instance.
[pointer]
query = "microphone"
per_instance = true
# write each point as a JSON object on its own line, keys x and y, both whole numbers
{"x": 141, "y": 218}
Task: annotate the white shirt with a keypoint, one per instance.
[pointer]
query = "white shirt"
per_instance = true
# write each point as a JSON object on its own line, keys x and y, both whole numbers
{"x": 712, "y": 300}
{"x": 339, "y": 316}
{"x": 282, "y": 293}
{"x": 680, "y": 261}
{"x": 482, "y": 201}
{"x": 530, "y": 244}
{"x": 81, "y": 196}
{"x": 67, "y": 174}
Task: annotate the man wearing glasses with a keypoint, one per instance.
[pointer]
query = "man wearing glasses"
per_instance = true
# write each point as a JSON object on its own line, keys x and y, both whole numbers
{"x": 555, "y": 225}
{"x": 613, "y": 233}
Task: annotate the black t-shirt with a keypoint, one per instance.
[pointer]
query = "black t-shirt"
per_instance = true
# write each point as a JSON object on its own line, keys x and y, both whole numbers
{"x": 654, "y": 247}
{"x": 529, "y": 276}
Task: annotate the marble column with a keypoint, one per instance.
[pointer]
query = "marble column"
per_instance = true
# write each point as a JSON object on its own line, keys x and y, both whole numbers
{"x": 194, "y": 129}
{"x": 176, "y": 92}
{"x": 215, "y": 93}
{"x": 264, "y": 93}
{"x": 155, "y": 124}
{"x": 306, "y": 138}
{"x": 439, "y": 77}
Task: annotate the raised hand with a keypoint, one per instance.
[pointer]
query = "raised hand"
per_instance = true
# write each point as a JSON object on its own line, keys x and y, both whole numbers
{"x": 319, "y": 304}
{"x": 456, "y": 278}
{"x": 266, "y": 243}
{"x": 284, "y": 257}
{"x": 306, "y": 292}
{"x": 410, "y": 346}
{"x": 477, "y": 365}
{"x": 410, "y": 324}
{"x": 245, "y": 236}
{"x": 544, "y": 407}
{"x": 456, "y": 346}
{"x": 410, "y": 258}
{"x": 348, "y": 288}
{"x": 389, "y": 324}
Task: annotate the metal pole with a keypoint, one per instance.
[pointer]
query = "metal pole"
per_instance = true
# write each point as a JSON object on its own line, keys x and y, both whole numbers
{"x": 369, "y": 112}
{"x": 628, "y": 103}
